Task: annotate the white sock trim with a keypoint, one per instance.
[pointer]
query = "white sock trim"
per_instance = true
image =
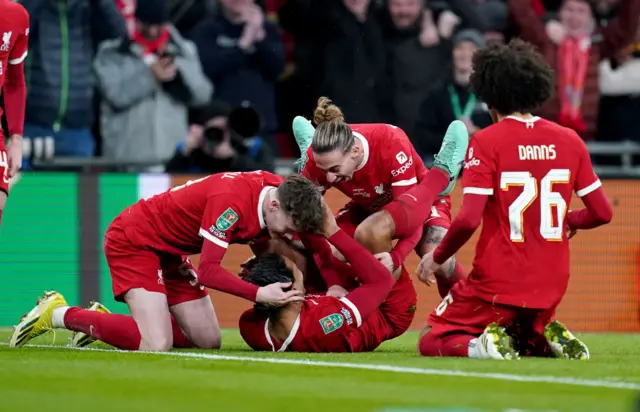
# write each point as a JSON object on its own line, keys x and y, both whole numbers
{"x": 57, "y": 319}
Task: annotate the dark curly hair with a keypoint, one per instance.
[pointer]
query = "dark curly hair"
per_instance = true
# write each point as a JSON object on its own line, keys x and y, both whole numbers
{"x": 512, "y": 78}
{"x": 268, "y": 269}
{"x": 301, "y": 199}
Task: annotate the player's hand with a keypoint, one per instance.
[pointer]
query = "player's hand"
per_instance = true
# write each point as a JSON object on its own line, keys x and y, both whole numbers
{"x": 273, "y": 296}
{"x": 337, "y": 291}
{"x": 330, "y": 224}
{"x": 14, "y": 155}
{"x": 386, "y": 260}
{"x": 570, "y": 232}
{"x": 186, "y": 269}
{"x": 246, "y": 267}
{"x": 427, "y": 269}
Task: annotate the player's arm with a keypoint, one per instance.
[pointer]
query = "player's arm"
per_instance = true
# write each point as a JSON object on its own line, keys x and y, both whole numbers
{"x": 477, "y": 183}
{"x": 598, "y": 210}
{"x": 403, "y": 177}
{"x": 375, "y": 279}
{"x": 324, "y": 259}
{"x": 15, "y": 88}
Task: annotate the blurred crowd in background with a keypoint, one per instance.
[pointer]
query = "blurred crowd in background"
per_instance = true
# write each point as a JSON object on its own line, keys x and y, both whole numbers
{"x": 206, "y": 86}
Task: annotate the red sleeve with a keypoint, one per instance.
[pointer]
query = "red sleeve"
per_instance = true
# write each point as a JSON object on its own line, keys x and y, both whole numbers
{"x": 462, "y": 227}
{"x": 399, "y": 160}
{"x": 376, "y": 281}
{"x": 586, "y": 179}
{"x": 212, "y": 275}
{"x": 251, "y": 326}
{"x": 15, "y": 88}
{"x": 404, "y": 247}
{"x": 323, "y": 257}
{"x": 220, "y": 219}
{"x": 478, "y": 176}
{"x": 598, "y": 212}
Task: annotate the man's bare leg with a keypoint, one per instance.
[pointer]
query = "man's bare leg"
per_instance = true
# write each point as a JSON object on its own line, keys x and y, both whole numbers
{"x": 198, "y": 321}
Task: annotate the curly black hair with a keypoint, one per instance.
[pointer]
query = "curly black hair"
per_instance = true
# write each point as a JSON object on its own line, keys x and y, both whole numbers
{"x": 512, "y": 78}
{"x": 268, "y": 269}
{"x": 301, "y": 199}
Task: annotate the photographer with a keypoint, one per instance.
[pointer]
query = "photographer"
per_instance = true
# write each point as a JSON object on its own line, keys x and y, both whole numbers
{"x": 148, "y": 81}
{"x": 222, "y": 140}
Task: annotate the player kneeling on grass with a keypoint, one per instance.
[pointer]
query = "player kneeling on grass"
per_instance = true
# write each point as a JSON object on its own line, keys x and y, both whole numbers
{"x": 359, "y": 321}
{"x": 144, "y": 247}
{"x": 519, "y": 178}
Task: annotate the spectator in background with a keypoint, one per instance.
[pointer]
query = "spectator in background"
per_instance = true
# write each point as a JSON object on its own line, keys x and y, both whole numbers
{"x": 339, "y": 53}
{"x": 147, "y": 82}
{"x": 417, "y": 57}
{"x": 574, "y": 45}
{"x": 242, "y": 54}
{"x": 60, "y": 99}
{"x": 214, "y": 146}
{"x": 451, "y": 99}
{"x": 620, "y": 90}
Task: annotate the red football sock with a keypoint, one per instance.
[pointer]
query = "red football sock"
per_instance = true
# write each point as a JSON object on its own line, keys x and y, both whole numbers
{"x": 412, "y": 208}
{"x": 179, "y": 338}
{"x": 120, "y": 331}
{"x": 445, "y": 285}
{"x": 456, "y": 345}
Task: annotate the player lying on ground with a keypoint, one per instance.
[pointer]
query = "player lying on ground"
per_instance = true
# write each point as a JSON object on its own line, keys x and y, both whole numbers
{"x": 14, "y": 24}
{"x": 372, "y": 164}
{"x": 379, "y": 309}
{"x": 519, "y": 178}
{"x": 144, "y": 247}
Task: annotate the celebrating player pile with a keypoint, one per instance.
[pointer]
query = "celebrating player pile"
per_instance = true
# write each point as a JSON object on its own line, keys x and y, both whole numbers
{"x": 373, "y": 164}
{"x": 14, "y": 27}
{"x": 519, "y": 177}
{"x": 145, "y": 247}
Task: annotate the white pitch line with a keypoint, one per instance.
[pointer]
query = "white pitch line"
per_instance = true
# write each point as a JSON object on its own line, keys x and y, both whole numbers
{"x": 374, "y": 367}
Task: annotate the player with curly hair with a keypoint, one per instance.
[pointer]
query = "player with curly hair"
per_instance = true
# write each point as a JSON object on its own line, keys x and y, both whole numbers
{"x": 518, "y": 181}
{"x": 145, "y": 247}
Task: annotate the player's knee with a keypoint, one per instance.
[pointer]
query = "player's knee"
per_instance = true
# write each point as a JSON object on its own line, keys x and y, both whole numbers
{"x": 374, "y": 233}
{"x": 427, "y": 344}
{"x": 209, "y": 340}
{"x": 159, "y": 343}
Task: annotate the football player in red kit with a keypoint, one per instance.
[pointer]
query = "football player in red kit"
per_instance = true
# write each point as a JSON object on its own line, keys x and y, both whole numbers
{"x": 372, "y": 164}
{"x": 518, "y": 180}
{"x": 379, "y": 309}
{"x": 145, "y": 245}
{"x": 14, "y": 28}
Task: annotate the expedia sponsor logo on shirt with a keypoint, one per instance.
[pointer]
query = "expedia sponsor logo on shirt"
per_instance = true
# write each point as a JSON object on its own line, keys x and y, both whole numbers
{"x": 472, "y": 160}
{"x": 406, "y": 166}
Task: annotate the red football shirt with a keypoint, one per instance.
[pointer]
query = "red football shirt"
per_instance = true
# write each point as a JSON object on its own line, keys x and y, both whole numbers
{"x": 223, "y": 208}
{"x": 529, "y": 170}
{"x": 14, "y": 40}
{"x": 390, "y": 166}
{"x": 324, "y": 324}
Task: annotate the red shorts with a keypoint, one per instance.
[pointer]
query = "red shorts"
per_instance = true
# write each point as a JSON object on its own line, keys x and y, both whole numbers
{"x": 351, "y": 216}
{"x": 461, "y": 311}
{"x": 133, "y": 267}
{"x": 399, "y": 308}
{"x": 4, "y": 169}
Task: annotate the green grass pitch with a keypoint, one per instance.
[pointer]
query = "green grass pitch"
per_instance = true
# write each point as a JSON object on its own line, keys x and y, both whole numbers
{"x": 394, "y": 378}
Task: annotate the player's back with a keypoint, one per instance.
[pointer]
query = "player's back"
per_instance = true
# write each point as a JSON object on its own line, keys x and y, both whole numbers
{"x": 522, "y": 256}
{"x": 389, "y": 159}
{"x": 171, "y": 221}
